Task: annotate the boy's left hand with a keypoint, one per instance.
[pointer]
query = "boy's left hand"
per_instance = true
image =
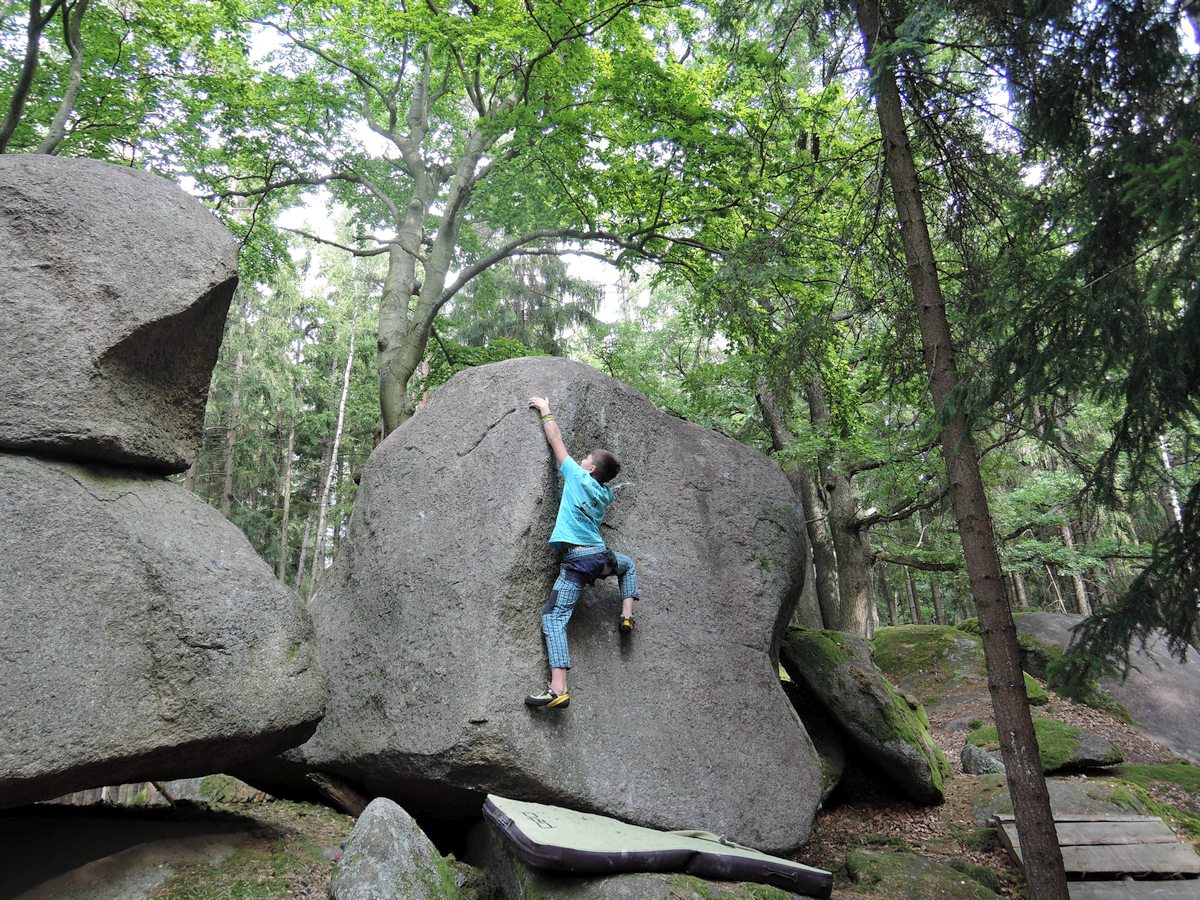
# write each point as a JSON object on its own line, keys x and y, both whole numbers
{"x": 541, "y": 404}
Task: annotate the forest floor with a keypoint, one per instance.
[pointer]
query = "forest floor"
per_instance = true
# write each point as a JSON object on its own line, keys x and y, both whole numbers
{"x": 871, "y": 817}
{"x": 283, "y": 849}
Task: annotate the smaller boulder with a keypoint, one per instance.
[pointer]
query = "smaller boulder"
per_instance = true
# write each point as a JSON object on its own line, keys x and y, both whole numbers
{"x": 837, "y": 669}
{"x": 1062, "y": 746}
{"x": 388, "y": 857}
{"x": 977, "y": 761}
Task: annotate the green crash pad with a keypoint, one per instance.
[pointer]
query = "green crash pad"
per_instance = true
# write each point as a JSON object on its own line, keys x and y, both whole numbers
{"x": 576, "y": 843}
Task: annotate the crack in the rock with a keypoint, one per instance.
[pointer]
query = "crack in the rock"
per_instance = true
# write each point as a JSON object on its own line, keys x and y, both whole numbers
{"x": 486, "y": 432}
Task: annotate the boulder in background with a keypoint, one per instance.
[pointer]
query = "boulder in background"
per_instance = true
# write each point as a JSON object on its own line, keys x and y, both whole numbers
{"x": 114, "y": 290}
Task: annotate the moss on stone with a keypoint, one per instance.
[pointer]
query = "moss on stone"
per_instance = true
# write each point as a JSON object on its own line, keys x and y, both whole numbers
{"x": 1034, "y": 691}
{"x": 982, "y": 874}
{"x": 970, "y": 626}
{"x": 1056, "y": 741}
{"x": 913, "y": 649}
{"x": 910, "y": 875}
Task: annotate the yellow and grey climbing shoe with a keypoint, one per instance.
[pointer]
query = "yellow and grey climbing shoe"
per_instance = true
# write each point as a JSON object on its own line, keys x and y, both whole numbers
{"x": 626, "y": 625}
{"x": 549, "y": 699}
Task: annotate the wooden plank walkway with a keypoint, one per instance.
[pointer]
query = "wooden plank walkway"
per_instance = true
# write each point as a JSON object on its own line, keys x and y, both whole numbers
{"x": 1119, "y": 849}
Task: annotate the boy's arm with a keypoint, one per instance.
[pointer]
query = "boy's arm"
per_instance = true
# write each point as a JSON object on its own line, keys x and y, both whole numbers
{"x": 550, "y": 427}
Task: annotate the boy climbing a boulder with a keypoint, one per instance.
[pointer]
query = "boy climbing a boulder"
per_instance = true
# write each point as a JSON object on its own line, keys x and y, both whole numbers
{"x": 585, "y": 499}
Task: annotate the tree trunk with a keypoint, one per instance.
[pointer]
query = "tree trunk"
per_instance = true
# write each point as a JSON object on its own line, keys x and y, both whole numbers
{"x": 914, "y": 603}
{"x": 72, "y": 31}
{"x": 281, "y": 568}
{"x": 323, "y": 504}
{"x": 1082, "y": 603}
{"x": 231, "y": 438}
{"x": 304, "y": 540}
{"x": 935, "y": 589}
{"x": 890, "y": 596}
{"x": 1022, "y": 595}
{"x": 189, "y": 478}
{"x": 16, "y": 103}
{"x": 1018, "y": 742}
{"x": 1169, "y": 493}
{"x": 857, "y": 607}
{"x": 800, "y": 477}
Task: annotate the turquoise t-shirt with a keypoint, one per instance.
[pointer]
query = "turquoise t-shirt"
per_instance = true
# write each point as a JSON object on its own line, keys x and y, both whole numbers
{"x": 581, "y": 510}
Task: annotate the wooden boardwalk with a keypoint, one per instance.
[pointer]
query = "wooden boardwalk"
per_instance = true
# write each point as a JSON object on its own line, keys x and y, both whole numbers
{"x": 1118, "y": 857}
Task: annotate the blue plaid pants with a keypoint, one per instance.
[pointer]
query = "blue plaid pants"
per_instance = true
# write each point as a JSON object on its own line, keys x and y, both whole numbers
{"x": 581, "y": 566}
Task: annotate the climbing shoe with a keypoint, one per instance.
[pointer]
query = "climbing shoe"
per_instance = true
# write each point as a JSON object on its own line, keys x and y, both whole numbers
{"x": 626, "y": 625}
{"x": 549, "y": 699}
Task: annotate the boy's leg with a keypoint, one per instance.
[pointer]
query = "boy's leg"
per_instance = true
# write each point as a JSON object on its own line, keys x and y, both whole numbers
{"x": 626, "y": 571}
{"x": 555, "y": 616}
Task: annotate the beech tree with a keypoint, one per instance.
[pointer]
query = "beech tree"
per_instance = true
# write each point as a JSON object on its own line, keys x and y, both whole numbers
{"x": 505, "y": 130}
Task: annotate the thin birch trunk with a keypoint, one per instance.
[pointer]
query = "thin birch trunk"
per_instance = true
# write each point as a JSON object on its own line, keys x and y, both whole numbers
{"x": 323, "y": 505}
{"x": 1018, "y": 741}
{"x": 1170, "y": 493}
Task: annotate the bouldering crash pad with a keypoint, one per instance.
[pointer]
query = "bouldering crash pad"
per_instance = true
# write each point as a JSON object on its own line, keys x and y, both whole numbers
{"x": 576, "y": 843}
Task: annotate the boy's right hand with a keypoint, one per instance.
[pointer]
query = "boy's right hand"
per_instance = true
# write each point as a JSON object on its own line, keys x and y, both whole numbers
{"x": 541, "y": 404}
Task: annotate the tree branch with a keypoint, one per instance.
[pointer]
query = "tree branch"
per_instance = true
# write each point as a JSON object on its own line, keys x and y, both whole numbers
{"x": 374, "y": 251}
{"x": 913, "y": 563}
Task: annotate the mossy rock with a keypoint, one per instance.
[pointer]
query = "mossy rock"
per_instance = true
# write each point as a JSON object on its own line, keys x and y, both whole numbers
{"x": 970, "y": 626}
{"x": 1034, "y": 691}
{"x": 907, "y": 875}
{"x": 1068, "y": 796}
{"x": 938, "y": 664}
{"x": 1061, "y": 746}
{"x": 837, "y": 669}
{"x": 1182, "y": 781}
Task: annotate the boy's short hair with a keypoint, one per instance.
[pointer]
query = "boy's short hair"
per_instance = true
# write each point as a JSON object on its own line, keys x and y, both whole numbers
{"x": 607, "y": 465}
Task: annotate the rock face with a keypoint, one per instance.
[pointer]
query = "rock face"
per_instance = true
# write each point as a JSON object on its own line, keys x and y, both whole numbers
{"x": 141, "y": 637}
{"x": 114, "y": 290}
{"x": 1161, "y": 693}
{"x": 388, "y": 857}
{"x": 837, "y": 669}
{"x": 429, "y": 622}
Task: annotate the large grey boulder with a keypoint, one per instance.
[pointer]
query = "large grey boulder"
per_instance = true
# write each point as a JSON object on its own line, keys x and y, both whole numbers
{"x": 429, "y": 627}
{"x": 114, "y": 288}
{"x": 141, "y": 637}
{"x": 838, "y": 671}
{"x": 389, "y": 857}
{"x": 1161, "y": 693}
